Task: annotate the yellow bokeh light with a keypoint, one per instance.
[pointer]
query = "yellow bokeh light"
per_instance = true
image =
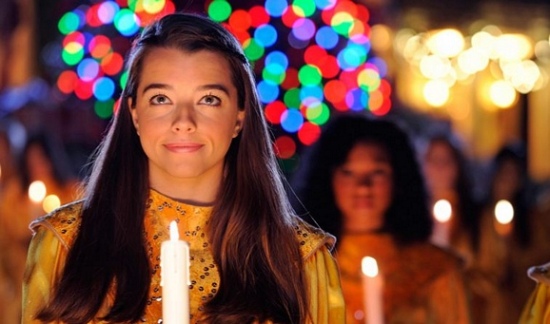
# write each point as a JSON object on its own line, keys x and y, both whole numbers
{"x": 153, "y": 6}
{"x": 446, "y": 43}
{"x": 380, "y": 36}
{"x": 472, "y": 60}
{"x": 434, "y": 67}
{"x": 436, "y": 93}
{"x": 512, "y": 47}
{"x": 50, "y": 203}
{"x": 502, "y": 94}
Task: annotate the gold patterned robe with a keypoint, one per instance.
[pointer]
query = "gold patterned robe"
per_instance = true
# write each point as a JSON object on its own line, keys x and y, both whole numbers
{"x": 55, "y": 233}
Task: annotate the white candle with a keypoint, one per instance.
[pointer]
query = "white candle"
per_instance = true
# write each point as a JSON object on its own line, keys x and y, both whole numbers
{"x": 442, "y": 212}
{"x": 373, "y": 284}
{"x": 174, "y": 263}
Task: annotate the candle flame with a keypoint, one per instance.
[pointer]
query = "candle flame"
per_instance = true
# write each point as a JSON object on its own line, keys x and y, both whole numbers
{"x": 37, "y": 191}
{"x": 174, "y": 234}
{"x": 442, "y": 211}
{"x": 504, "y": 212}
{"x": 369, "y": 267}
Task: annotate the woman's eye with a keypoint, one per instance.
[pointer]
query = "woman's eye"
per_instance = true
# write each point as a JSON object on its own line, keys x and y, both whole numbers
{"x": 160, "y": 100}
{"x": 210, "y": 100}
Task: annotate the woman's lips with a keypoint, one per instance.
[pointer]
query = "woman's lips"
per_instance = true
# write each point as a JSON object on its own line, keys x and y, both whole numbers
{"x": 183, "y": 147}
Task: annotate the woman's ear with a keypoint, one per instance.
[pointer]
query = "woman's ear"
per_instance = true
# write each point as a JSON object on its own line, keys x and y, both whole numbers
{"x": 238, "y": 123}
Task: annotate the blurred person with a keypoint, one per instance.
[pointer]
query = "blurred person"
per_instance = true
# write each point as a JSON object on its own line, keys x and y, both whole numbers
{"x": 40, "y": 159}
{"x": 509, "y": 250}
{"x": 361, "y": 181}
{"x": 448, "y": 178}
{"x": 189, "y": 144}
{"x": 10, "y": 191}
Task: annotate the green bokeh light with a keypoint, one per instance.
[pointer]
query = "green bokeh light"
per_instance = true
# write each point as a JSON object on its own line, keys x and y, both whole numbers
{"x": 68, "y": 23}
{"x": 73, "y": 53}
{"x": 309, "y": 75}
{"x": 123, "y": 79}
{"x": 318, "y": 113}
{"x": 104, "y": 109}
{"x": 219, "y": 10}
{"x": 304, "y": 8}
{"x": 253, "y": 50}
{"x": 292, "y": 98}
{"x": 342, "y": 23}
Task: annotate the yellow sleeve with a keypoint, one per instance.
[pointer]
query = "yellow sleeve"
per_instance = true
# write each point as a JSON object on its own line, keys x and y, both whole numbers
{"x": 44, "y": 259}
{"x": 326, "y": 299}
{"x": 537, "y": 308}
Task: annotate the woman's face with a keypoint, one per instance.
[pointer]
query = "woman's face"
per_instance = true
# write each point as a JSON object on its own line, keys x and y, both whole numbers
{"x": 186, "y": 116}
{"x": 441, "y": 168}
{"x": 363, "y": 187}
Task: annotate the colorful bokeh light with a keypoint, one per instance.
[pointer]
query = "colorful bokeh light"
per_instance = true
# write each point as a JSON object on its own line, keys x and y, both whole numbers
{"x": 312, "y": 59}
{"x": 95, "y": 39}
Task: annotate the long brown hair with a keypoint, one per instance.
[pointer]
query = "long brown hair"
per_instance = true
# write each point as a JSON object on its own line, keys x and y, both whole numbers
{"x": 251, "y": 229}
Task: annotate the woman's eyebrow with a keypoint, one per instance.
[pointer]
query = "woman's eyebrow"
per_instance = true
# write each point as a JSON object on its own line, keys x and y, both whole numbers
{"x": 155, "y": 86}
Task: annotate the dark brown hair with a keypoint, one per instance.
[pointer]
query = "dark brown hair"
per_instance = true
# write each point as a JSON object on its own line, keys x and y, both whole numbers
{"x": 251, "y": 228}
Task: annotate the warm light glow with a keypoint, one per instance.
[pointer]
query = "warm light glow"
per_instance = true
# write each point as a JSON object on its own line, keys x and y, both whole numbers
{"x": 174, "y": 234}
{"x": 442, "y": 211}
{"x": 522, "y": 75}
{"x": 472, "y": 60}
{"x": 37, "y": 191}
{"x": 436, "y": 93}
{"x": 380, "y": 37}
{"x": 50, "y": 203}
{"x": 414, "y": 49}
{"x": 513, "y": 47}
{"x": 446, "y": 43}
{"x": 502, "y": 94}
{"x": 504, "y": 212}
{"x": 369, "y": 266}
{"x": 434, "y": 67}
{"x": 484, "y": 42}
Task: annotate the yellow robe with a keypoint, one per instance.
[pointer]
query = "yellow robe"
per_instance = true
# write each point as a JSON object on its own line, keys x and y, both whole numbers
{"x": 55, "y": 233}
{"x": 537, "y": 308}
{"x": 422, "y": 283}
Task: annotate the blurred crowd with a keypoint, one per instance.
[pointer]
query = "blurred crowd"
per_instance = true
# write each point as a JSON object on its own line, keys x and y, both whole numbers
{"x": 453, "y": 236}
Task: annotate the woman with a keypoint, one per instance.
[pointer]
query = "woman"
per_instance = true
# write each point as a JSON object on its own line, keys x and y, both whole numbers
{"x": 448, "y": 178}
{"x": 366, "y": 187}
{"x": 189, "y": 143}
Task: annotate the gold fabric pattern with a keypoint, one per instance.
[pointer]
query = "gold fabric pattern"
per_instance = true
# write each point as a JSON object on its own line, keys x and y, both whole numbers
{"x": 55, "y": 233}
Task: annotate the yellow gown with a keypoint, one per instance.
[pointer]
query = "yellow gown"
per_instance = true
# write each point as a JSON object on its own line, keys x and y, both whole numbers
{"x": 422, "y": 283}
{"x": 55, "y": 233}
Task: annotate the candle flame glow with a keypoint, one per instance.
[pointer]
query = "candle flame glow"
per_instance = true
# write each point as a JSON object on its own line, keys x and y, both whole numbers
{"x": 174, "y": 234}
{"x": 504, "y": 212}
{"x": 369, "y": 266}
{"x": 442, "y": 211}
{"x": 37, "y": 191}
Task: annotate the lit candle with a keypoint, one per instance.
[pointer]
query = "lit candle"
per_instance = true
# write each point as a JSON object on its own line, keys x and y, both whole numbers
{"x": 442, "y": 212}
{"x": 37, "y": 191}
{"x": 373, "y": 284}
{"x": 504, "y": 214}
{"x": 174, "y": 263}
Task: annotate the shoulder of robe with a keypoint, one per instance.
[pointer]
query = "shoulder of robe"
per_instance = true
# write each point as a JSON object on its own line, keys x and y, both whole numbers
{"x": 311, "y": 238}
{"x": 433, "y": 259}
{"x": 540, "y": 273}
{"x": 64, "y": 222}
